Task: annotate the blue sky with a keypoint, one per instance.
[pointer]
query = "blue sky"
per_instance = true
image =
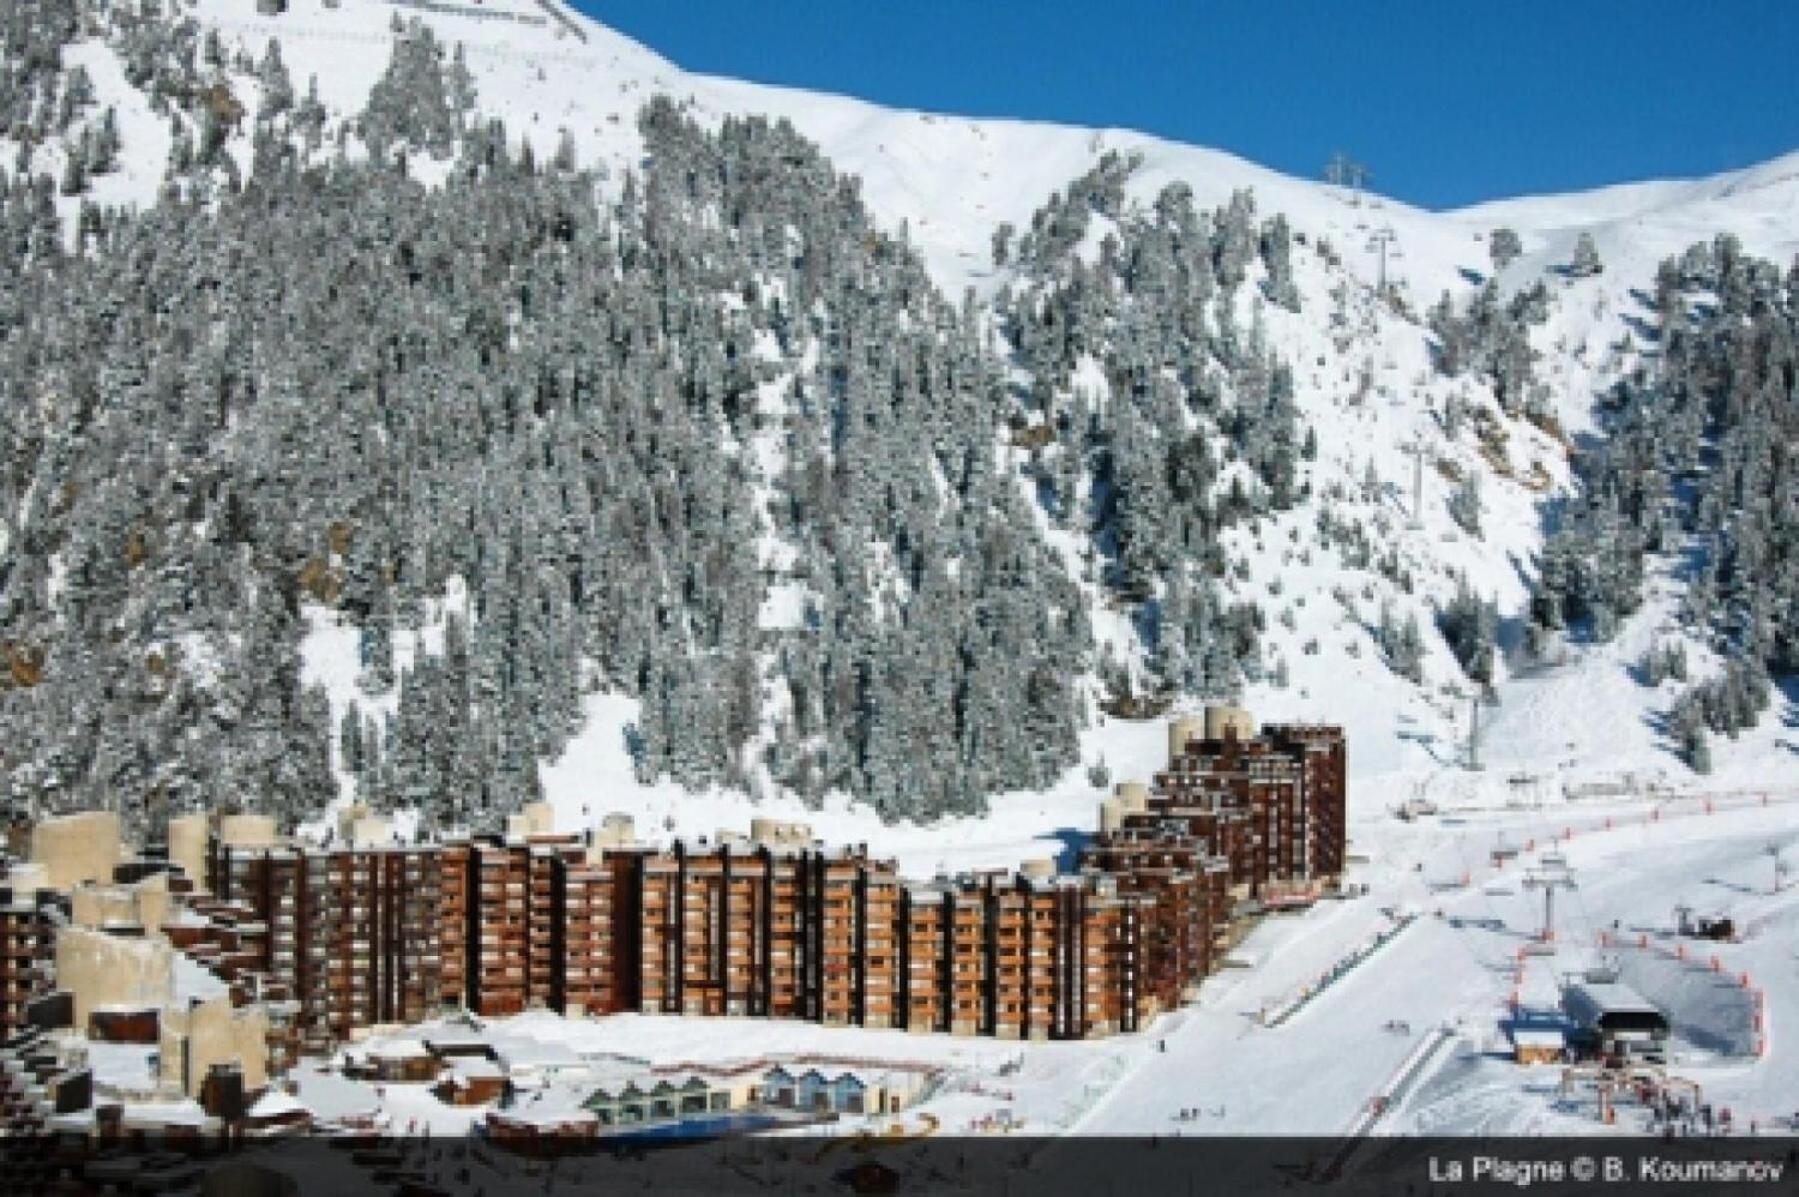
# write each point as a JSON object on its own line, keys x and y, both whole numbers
{"x": 1447, "y": 102}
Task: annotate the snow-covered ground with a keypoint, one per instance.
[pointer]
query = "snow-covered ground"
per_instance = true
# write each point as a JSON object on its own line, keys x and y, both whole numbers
{"x": 1448, "y": 979}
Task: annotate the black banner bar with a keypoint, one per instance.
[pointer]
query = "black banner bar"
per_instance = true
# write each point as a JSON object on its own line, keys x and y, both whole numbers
{"x": 1027, "y": 1167}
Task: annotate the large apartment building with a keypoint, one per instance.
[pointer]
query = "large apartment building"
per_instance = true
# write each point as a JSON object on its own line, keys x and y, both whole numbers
{"x": 353, "y": 934}
{"x": 364, "y": 930}
{"x": 27, "y": 948}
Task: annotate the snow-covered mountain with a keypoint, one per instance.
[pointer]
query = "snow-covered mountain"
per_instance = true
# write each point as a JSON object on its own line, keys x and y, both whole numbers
{"x": 1366, "y": 380}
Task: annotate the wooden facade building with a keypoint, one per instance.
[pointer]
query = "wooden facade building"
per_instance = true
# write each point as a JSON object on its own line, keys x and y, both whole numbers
{"x": 775, "y": 926}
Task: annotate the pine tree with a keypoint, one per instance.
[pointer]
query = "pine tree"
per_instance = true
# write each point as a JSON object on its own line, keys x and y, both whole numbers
{"x": 75, "y": 160}
{"x": 1585, "y": 262}
{"x": 1465, "y": 504}
{"x": 1470, "y": 626}
{"x": 1503, "y": 247}
{"x": 277, "y": 87}
{"x": 103, "y": 148}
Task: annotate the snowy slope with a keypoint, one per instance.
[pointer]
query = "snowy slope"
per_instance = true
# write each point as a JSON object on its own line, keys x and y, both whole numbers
{"x": 950, "y": 182}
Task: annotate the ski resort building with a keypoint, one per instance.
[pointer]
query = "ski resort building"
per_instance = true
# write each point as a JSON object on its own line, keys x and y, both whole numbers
{"x": 361, "y": 930}
{"x": 1612, "y": 1019}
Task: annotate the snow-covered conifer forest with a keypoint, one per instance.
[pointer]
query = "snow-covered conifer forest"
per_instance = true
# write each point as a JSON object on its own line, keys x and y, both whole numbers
{"x": 417, "y": 401}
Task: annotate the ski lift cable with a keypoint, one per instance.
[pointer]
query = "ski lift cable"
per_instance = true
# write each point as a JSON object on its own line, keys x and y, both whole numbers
{"x": 1581, "y": 913}
{"x": 1468, "y": 871}
{"x": 1545, "y": 834}
{"x": 1493, "y": 916}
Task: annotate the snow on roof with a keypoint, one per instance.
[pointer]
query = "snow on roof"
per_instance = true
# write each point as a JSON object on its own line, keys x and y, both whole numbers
{"x": 165, "y": 1113}
{"x": 1610, "y": 997}
{"x": 125, "y": 1066}
{"x": 616, "y": 1079}
{"x": 278, "y": 1103}
{"x": 527, "y": 1052}
{"x": 1539, "y": 1037}
{"x": 396, "y": 1049}
{"x": 551, "y": 1105}
{"x": 474, "y": 1068}
{"x": 646, "y": 1045}
{"x": 334, "y": 1096}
